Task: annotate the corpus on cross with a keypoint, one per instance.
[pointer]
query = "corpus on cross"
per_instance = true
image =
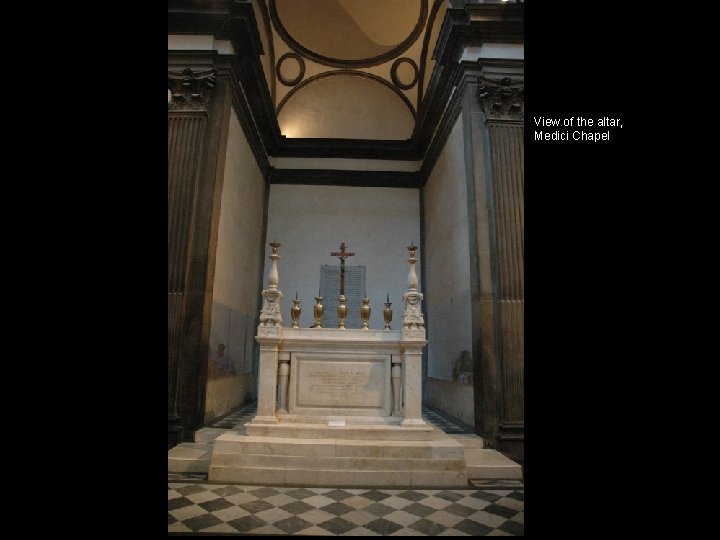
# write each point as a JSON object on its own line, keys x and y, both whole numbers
{"x": 342, "y": 255}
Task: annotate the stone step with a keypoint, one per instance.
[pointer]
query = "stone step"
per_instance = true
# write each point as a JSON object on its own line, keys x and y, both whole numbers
{"x": 486, "y": 463}
{"x": 336, "y": 463}
{"x": 319, "y": 420}
{"x": 190, "y": 457}
{"x": 468, "y": 440}
{"x": 268, "y": 476}
{"x": 442, "y": 448}
{"x": 315, "y": 431}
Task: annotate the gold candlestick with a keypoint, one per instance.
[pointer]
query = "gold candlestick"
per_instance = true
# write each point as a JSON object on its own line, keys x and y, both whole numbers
{"x": 342, "y": 311}
{"x": 295, "y": 312}
{"x": 365, "y": 313}
{"x": 387, "y": 314}
{"x": 318, "y": 310}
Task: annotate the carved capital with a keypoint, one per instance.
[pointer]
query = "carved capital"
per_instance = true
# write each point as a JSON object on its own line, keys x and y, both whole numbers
{"x": 190, "y": 90}
{"x": 501, "y": 100}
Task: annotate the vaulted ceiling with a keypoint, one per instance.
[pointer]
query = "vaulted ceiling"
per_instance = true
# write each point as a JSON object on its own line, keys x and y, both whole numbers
{"x": 349, "y": 79}
{"x": 348, "y": 69}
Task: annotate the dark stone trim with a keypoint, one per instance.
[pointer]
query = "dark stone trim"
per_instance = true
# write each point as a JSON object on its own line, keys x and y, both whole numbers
{"x": 244, "y": 115}
{"x": 503, "y": 23}
{"x": 336, "y": 62}
{"x": 423, "y": 53}
{"x": 445, "y": 125}
{"x": 230, "y": 20}
{"x": 394, "y": 77}
{"x": 335, "y": 177}
{"x": 290, "y": 82}
{"x": 271, "y": 47}
{"x": 499, "y": 23}
{"x": 346, "y": 72}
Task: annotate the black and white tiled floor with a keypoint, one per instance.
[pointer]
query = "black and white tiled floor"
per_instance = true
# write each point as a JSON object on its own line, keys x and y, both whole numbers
{"x": 238, "y": 417}
{"x": 212, "y": 508}
{"x": 195, "y": 507}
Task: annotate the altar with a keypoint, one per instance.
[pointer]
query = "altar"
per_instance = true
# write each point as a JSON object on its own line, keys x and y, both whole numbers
{"x": 339, "y": 406}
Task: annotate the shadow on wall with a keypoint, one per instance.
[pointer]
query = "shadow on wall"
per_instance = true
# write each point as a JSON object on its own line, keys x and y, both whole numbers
{"x": 455, "y": 397}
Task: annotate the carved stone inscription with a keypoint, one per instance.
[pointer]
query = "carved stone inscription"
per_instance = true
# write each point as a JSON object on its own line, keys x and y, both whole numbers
{"x": 328, "y": 383}
{"x": 354, "y": 292}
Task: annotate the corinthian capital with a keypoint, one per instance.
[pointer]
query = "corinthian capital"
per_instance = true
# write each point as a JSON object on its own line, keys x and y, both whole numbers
{"x": 190, "y": 89}
{"x": 501, "y": 100}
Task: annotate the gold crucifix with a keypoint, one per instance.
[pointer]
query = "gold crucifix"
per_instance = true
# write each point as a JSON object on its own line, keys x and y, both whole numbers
{"x": 342, "y": 255}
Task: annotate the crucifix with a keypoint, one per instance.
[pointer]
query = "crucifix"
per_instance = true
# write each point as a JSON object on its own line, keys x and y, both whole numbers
{"x": 342, "y": 255}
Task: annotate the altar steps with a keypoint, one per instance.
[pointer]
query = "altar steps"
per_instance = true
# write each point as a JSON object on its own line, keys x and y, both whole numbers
{"x": 379, "y": 432}
{"x": 326, "y": 462}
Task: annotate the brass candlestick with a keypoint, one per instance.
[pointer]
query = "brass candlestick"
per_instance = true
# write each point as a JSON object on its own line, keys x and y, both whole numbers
{"x": 318, "y": 310}
{"x": 295, "y": 312}
{"x": 387, "y": 314}
{"x": 342, "y": 311}
{"x": 365, "y": 313}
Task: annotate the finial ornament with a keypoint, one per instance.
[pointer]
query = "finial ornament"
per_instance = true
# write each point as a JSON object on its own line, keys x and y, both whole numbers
{"x": 413, "y": 321}
{"x": 270, "y": 313}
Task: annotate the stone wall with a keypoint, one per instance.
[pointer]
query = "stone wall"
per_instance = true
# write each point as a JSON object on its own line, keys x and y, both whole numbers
{"x": 237, "y": 267}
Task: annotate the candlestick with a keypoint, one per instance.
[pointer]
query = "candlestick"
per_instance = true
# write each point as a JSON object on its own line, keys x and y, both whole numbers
{"x": 387, "y": 314}
{"x": 295, "y": 312}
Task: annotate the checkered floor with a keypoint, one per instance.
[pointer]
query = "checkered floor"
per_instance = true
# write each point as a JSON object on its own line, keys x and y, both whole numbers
{"x": 244, "y": 414}
{"x": 195, "y": 507}
{"x": 238, "y": 417}
{"x": 212, "y": 508}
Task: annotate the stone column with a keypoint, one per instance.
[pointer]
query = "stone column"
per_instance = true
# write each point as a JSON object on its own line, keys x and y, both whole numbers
{"x": 189, "y": 102}
{"x": 502, "y": 101}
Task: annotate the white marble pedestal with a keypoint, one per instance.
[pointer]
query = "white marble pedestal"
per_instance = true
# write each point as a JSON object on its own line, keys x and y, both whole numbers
{"x": 322, "y": 378}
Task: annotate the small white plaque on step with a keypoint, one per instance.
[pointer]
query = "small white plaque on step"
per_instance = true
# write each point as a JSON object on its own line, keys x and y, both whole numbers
{"x": 336, "y": 423}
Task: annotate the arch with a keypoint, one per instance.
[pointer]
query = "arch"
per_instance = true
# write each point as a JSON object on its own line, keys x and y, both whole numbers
{"x": 368, "y": 98}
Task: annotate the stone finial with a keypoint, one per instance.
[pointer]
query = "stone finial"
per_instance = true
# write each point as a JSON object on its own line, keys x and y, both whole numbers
{"x": 270, "y": 314}
{"x": 413, "y": 321}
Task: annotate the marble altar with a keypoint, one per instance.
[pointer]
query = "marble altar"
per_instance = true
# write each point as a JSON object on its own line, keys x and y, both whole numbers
{"x": 340, "y": 406}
